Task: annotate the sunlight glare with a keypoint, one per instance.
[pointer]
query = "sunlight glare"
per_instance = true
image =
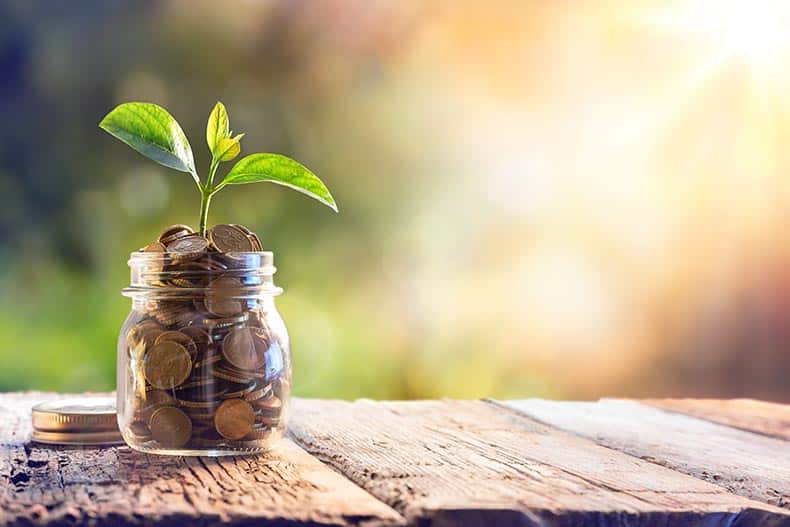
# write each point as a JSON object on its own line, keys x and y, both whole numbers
{"x": 756, "y": 30}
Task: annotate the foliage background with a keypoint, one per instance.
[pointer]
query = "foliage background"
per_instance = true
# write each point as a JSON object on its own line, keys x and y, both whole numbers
{"x": 537, "y": 198}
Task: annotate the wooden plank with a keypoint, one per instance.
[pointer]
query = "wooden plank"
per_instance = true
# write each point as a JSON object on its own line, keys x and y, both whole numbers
{"x": 748, "y": 464}
{"x": 771, "y": 419}
{"x": 42, "y": 485}
{"x": 473, "y": 463}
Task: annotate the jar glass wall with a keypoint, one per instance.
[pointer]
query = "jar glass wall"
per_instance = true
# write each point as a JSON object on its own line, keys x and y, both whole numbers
{"x": 204, "y": 364}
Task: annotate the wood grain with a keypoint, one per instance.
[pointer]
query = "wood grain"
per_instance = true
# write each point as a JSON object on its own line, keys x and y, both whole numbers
{"x": 748, "y": 464}
{"x": 42, "y": 485}
{"x": 473, "y": 463}
{"x": 771, "y": 419}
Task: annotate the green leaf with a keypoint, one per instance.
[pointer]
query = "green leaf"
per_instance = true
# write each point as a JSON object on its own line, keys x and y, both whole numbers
{"x": 153, "y": 132}
{"x": 218, "y": 127}
{"x": 228, "y": 148}
{"x": 282, "y": 170}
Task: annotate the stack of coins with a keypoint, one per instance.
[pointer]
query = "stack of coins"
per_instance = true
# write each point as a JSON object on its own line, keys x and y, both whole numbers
{"x": 208, "y": 370}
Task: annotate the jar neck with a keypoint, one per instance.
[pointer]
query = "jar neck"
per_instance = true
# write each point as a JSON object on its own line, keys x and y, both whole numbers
{"x": 163, "y": 276}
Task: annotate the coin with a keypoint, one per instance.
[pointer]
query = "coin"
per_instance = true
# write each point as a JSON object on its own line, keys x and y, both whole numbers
{"x": 258, "y": 394}
{"x": 174, "y": 232}
{"x": 150, "y": 401}
{"x": 188, "y": 247}
{"x": 259, "y": 434}
{"x": 204, "y": 418}
{"x": 156, "y": 264}
{"x": 222, "y": 296}
{"x": 140, "y": 337}
{"x": 269, "y": 406}
{"x": 223, "y": 374}
{"x": 212, "y": 262}
{"x": 211, "y": 359}
{"x": 234, "y": 419}
{"x": 241, "y": 227}
{"x": 206, "y": 405}
{"x": 174, "y": 312}
{"x": 167, "y": 364}
{"x": 245, "y": 348}
{"x": 268, "y": 420}
{"x": 158, "y": 397}
{"x": 237, "y": 372}
{"x": 216, "y": 324}
{"x": 180, "y": 337}
{"x": 254, "y": 239}
{"x": 240, "y": 393}
{"x": 198, "y": 336}
{"x": 188, "y": 273}
{"x": 140, "y": 430}
{"x": 142, "y": 331}
{"x": 199, "y": 382}
{"x": 170, "y": 427}
{"x": 229, "y": 238}
{"x": 256, "y": 242}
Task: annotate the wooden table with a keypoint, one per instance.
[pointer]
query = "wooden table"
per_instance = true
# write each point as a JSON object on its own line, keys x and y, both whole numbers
{"x": 448, "y": 462}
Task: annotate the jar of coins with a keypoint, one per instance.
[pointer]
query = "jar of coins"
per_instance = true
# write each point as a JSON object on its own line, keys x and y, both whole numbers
{"x": 204, "y": 363}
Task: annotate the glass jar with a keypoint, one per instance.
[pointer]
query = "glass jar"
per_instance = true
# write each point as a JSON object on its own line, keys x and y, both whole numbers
{"x": 204, "y": 365}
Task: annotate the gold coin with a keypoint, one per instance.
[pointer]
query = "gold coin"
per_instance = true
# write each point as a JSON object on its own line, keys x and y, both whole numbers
{"x": 170, "y": 427}
{"x": 167, "y": 365}
{"x": 188, "y": 247}
{"x": 229, "y": 238}
{"x": 179, "y": 337}
{"x": 174, "y": 232}
{"x": 234, "y": 419}
{"x": 245, "y": 348}
{"x": 221, "y": 296}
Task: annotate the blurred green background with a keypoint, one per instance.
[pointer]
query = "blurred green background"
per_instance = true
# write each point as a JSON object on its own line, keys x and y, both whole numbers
{"x": 536, "y": 198}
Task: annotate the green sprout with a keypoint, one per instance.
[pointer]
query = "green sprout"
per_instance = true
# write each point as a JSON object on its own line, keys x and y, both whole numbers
{"x": 152, "y": 131}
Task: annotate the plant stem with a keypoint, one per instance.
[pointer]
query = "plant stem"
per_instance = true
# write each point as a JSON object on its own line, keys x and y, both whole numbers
{"x": 205, "y": 201}
{"x": 211, "y": 171}
{"x": 205, "y": 195}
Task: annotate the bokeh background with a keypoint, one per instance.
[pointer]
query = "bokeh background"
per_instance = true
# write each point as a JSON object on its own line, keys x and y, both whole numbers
{"x": 556, "y": 199}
